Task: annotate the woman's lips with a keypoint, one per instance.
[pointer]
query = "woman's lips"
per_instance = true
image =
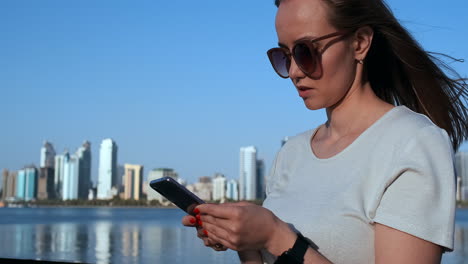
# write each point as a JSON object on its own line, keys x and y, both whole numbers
{"x": 303, "y": 91}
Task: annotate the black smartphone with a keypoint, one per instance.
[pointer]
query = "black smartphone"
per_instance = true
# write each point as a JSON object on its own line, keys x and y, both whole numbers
{"x": 176, "y": 193}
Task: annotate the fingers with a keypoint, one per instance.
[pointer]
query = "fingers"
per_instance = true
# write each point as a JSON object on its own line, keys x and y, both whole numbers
{"x": 189, "y": 220}
{"x": 209, "y": 241}
{"x": 214, "y": 232}
{"x": 201, "y": 233}
{"x": 218, "y": 222}
{"x": 214, "y": 210}
{"x": 226, "y": 211}
{"x": 243, "y": 203}
{"x": 220, "y": 236}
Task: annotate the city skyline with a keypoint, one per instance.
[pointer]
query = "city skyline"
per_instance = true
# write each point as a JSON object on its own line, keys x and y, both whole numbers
{"x": 94, "y": 174}
{"x": 75, "y": 71}
{"x": 85, "y": 149}
{"x": 68, "y": 178}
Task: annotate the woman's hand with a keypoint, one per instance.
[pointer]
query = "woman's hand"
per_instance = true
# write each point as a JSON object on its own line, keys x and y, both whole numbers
{"x": 191, "y": 221}
{"x": 245, "y": 226}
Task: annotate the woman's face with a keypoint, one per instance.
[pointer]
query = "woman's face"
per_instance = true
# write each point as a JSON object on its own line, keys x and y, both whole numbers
{"x": 297, "y": 19}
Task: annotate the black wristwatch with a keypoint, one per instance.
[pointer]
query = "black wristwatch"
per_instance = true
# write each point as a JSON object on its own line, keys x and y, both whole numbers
{"x": 294, "y": 255}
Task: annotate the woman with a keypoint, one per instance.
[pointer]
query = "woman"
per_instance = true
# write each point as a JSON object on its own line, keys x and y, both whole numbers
{"x": 375, "y": 183}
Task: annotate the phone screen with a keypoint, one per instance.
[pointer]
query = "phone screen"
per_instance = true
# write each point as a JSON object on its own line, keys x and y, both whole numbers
{"x": 176, "y": 193}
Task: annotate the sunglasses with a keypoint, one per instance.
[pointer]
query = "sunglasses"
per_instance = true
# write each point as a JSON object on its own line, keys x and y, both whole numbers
{"x": 306, "y": 55}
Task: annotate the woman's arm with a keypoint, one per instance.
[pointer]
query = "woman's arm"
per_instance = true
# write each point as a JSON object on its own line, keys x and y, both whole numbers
{"x": 248, "y": 227}
{"x": 391, "y": 246}
{"x": 394, "y": 246}
{"x": 250, "y": 257}
{"x": 283, "y": 238}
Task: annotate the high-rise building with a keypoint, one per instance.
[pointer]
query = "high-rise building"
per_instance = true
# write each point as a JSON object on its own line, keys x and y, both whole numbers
{"x": 47, "y": 155}
{"x": 9, "y": 185}
{"x": 232, "y": 190}
{"x": 247, "y": 173}
{"x": 461, "y": 171}
{"x": 4, "y": 175}
{"x": 107, "y": 177}
{"x": 156, "y": 174}
{"x": 260, "y": 180}
{"x": 203, "y": 188}
{"x": 251, "y": 175}
{"x": 3, "y": 182}
{"x": 84, "y": 170}
{"x": 70, "y": 178}
{"x": 60, "y": 161}
{"x": 204, "y": 179}
{"x": 45, "y": 184}
{"x": 219, "y": 187}
{"x": 120, "y": 178}
{"x": 133, "y": 180}
{"x": 26, "y": 184}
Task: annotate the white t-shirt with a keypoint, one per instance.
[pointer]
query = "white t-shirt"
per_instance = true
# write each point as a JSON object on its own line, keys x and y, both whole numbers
{"x": 399, "y": 173}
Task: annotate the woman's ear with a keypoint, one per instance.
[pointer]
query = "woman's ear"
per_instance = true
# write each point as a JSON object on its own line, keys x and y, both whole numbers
{"x": 362, "y": 42}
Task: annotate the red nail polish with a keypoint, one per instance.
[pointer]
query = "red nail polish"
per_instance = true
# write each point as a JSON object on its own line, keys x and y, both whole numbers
{"x": 196, "y": 211}
{"x": 205, "y": 232}
{"x": 193, "y": 221}
{"x": 200, "y": 223}
{"x": 198, "y": 216}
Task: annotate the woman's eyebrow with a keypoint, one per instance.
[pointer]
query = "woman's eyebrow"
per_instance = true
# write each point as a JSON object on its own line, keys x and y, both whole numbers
{"x": 282, "y": 45}
{"x": 305, "y": 38}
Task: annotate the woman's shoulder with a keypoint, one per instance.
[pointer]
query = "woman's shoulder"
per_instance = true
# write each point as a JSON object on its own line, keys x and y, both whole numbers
{"x": 409, "y": 120}
{"x": 404, "y": 125}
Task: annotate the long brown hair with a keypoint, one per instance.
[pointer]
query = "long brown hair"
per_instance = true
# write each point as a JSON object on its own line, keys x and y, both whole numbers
{"x": 400, "y": 71}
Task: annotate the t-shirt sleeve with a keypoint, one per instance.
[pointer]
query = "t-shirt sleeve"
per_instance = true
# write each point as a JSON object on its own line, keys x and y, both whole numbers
{"x": 419, "y": 198}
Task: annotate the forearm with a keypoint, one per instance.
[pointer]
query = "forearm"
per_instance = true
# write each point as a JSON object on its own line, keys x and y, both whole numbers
{"x": 250, "y": 257}
{"x": 314, "y": 257}
{"x": 284, "y": 239}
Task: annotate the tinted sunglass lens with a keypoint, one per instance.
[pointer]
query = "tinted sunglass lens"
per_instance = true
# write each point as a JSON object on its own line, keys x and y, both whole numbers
{"x": 280, "y": 62}
{"x": 306, "y": 58}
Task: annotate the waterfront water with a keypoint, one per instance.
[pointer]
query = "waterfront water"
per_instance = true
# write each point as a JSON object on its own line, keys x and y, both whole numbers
{"x": 127, "y": 235}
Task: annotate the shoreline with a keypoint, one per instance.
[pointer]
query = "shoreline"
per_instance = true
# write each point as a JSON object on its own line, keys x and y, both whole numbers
{"x": 124, "y": 206}
{"x": 91, "y": 206}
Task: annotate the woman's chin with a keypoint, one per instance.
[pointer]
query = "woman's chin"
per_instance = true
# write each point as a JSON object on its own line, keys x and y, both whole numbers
{"x": 313, "y": 105}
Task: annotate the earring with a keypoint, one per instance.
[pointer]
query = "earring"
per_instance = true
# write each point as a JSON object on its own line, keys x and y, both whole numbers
{"x": 360, "y": 61}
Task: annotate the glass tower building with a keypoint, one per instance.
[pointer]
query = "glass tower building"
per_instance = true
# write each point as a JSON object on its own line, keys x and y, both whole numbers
{"x": 247, "y": 173}
{"x": 107, "y": 177}
{"x": 47, "y": 155}
{"x": 70, "y": 179}
{"x": 84, "y": 170}
{"x": 232, "y": 190}
{"x": 60, "y": 161}
{"x": 26, "y": 184}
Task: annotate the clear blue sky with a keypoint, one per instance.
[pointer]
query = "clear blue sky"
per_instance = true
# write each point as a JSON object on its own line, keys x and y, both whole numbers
{"x": 180, "y": 84}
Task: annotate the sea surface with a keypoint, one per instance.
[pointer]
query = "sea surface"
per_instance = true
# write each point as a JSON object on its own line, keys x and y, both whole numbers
{"x": 128, "y": 235}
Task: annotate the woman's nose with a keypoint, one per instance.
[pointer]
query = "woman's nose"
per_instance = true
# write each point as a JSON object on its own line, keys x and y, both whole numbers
{"x": 294, "y": 71}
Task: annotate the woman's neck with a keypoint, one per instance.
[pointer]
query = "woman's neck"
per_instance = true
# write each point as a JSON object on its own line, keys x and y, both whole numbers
{"x": 358, "y": 110}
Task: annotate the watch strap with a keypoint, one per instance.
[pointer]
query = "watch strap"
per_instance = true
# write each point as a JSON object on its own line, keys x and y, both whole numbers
{"x": 299, "y": 249}
{"x": 296, "y": 253}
